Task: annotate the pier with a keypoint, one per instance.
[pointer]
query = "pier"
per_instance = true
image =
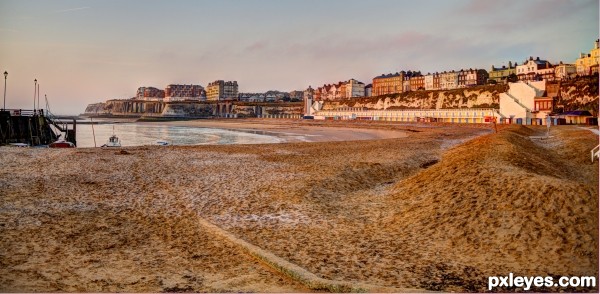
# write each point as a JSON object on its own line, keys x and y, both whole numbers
{"x": 33, "y": 127}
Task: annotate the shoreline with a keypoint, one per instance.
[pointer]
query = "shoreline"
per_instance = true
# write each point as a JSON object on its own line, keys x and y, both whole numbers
{"x": 292, "y": 131}
{"x": 282, "y": 131}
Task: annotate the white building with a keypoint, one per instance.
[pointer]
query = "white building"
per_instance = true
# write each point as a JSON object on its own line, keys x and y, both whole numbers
{"x": 429, "y": 82}
{"x": 448, "y": 80}
{"x": 535, "y": 69}
{"x": 354, "y": 88}
{"x": 524, "y": 103}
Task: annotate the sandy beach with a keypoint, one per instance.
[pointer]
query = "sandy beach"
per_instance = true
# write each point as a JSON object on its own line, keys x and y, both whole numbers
{"x": 307, "y": 131}
{"x": 395, "y": 207}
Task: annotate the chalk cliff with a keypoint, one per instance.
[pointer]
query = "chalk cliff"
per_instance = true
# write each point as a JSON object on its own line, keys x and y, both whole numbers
{"x": 474, "y": 97}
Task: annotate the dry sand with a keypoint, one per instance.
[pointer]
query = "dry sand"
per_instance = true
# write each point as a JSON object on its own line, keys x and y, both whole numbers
{"x": 426, "y": 210}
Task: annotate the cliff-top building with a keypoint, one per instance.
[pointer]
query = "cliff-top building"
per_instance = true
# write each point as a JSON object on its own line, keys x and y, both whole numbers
{"x": 150, "y": 93}
{"x": 341, "y": 90}
{"x": 219, "y": 90}
{"x": 369, "y": 90}
{"x": 587, "y": 64}
{"x": 296, "y": 95}
{"x": 176, "y": 92}
{"x": 387, "y": 84}
{"x": 563, "y": 71}
{"x": 501, "y": 74}
{"x": 476, "y": 77}
{"x": 535, "y": 70}
{"x": 413, "y": 81}
{"x": 354, "y": 88}
{"x": 449, "y": 80}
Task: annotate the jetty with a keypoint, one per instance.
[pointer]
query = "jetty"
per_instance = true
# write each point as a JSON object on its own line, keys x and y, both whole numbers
{"x": 34, "y": 127}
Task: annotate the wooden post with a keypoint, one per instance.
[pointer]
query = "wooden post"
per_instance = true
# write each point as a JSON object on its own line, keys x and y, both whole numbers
{"x": 93, "y": 133}
{"x": 74, "y": 132}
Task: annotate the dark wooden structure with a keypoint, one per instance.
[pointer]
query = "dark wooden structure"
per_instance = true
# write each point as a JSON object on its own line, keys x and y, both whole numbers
{"x": 32, "y": 127}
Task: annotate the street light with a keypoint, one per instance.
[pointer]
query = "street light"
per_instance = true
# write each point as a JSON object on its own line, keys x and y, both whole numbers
{"x": 38, "y": 96}
{"x": 5, "y": 76}
{"x": 34, "y": 92}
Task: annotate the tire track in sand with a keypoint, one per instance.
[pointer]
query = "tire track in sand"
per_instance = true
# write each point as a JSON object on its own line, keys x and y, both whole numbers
{"x": 294, "y": 271}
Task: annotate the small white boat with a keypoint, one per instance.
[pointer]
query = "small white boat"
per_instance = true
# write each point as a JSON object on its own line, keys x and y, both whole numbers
{"x": 19, "y": 145}
{"x": 113, "y": 141}
{"x": 162, "y": 143}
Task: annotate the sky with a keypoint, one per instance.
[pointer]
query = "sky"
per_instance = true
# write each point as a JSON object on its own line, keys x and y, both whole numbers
{"x": 89, "y": 51}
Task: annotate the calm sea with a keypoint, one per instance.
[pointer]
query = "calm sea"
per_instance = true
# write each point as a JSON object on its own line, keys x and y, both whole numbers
{"x": 139, "y": 134}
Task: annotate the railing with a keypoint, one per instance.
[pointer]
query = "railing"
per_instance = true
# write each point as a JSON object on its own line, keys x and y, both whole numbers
{"x": 595, "y": 153}
{"x": 24, "y": 112}
{"x": 517, "y": 101}
{"x": 501, "y": 116}
{"x": 464, "y": 112}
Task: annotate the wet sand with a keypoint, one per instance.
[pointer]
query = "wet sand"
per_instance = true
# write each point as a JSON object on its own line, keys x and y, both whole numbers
{"x": 436, "y": 208}
{"x": 298, "y": 131}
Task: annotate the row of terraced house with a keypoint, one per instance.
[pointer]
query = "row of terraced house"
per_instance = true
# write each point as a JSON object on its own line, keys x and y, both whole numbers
{"x": 532, "y": 69}
{"x": 215, "y": 91}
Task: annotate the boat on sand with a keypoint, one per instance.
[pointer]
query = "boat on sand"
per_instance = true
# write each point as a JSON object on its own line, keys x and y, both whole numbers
{"x": 61, "y": 144}
{"x": 113, "y": 141}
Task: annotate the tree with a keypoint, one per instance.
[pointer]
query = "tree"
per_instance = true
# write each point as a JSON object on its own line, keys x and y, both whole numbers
{"x": 512, "y": 78}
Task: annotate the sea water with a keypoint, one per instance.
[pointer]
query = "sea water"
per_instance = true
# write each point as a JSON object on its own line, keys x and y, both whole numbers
{"x": 140, "y": 134}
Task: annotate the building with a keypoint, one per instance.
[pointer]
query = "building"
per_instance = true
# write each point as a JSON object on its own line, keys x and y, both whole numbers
{"x": 309, "y": 93}
{"x": 578, "y": 117}
{"x": 387, "y": 84}
{"x": 462, "y": 78}
{"x": 308, "y": 98}
{"x": 219, "y": 90}
{"x": 587, "y": 64}
{"x": 150, "y": 93}
{"x": 464, "y": 115}
{"x": 333, "y": 91}
{"x": 342, "y": 90}
{"x": 417, "y": 82}
{"x": 412, "y": 81}
{"x": 437, "y": 81}
{"x": 564, "y": 71}
{"x": 535, "y": 70}
{"x": 320, "y": 93}
{"x": 251, "y": 97}
{"x": 428, "y": 80}
{"x": 176, "y": 92}
{"x": 406, "y": 85}
{"x": 501, "y": 74}
{"x": 369, "y": 90}
{"x": 354, "y": 88}
{"x": 449, "y": 80}
{"x": 476, "y": 77}
{"x": 526, "y": 103}
{"x": 296, "y": 95}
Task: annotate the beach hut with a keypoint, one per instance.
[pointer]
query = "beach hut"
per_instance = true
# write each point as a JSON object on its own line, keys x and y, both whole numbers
{"x": 578, "y": 117}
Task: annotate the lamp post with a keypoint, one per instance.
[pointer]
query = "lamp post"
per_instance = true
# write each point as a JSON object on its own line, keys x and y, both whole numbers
{"x": 38, "y": 96}
{"x": 5, "y": 76}
{"x": 34, "y": 92}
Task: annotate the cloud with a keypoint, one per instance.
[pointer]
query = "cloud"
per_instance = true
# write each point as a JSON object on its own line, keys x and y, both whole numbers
{"x": 257, "y": 46}
{"x": 69, "y": 10}
{"x": 480, "y": 6}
